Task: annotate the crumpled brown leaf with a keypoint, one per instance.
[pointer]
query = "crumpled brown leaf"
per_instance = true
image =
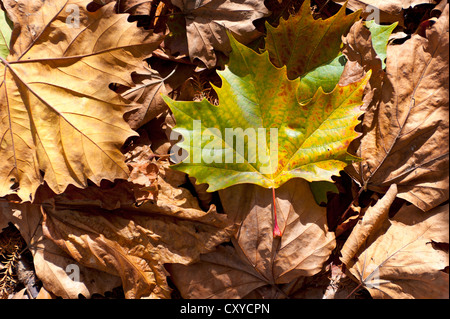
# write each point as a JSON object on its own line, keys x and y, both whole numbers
{"x": 135, "y": 242}
{"x": 257, "y": 259}
{"x": 396, "y": 258}
{"x": 405, "y": 128}
{"x": 362, "y": 57}
{"x": 208, "y": 20}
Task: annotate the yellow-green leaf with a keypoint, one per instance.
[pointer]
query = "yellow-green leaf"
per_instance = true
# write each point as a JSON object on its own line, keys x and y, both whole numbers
{"x": 5, "y": 34}
{"x": 282, "y": 137}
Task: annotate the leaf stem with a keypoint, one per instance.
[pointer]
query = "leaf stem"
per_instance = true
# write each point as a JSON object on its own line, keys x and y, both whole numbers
{"x": 276, "y": 229}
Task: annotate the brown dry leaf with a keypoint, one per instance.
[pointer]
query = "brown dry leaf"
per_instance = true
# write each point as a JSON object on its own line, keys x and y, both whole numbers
{"x": 44, "y": 294}
{"x": 52, "y": 265}
{"x": 4, "y": 220}
{"x": 384, "y": 11}
{"x": 55, "y": 102}
{"x": 405, "y": 130}
{"x": 208, "y": 20}
{"x": 258, "y": 259}
{"x": 370, "y": 223}
{"x": 135, "y": 242}
{"x": 21, "y": 294}
{"x": 397, "y": 259}
{"x": 149, "y": 88}
{"x": 135, "y": 7}
{"x": 65, "y": 278}
{"x": 147, "y": 93}
{"x": 108, "y": 195}
{"x": 361, "y": 57}
{"x": 141, "y": 185}
{"x": 221, "y": 274}
{"x": 331, "y": 284}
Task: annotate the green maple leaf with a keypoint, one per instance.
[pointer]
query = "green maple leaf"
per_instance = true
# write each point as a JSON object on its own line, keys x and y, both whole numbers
{"x": 310, "y": 48}
{"x": 260, "y": 133}
{"x": 380, "y": 37}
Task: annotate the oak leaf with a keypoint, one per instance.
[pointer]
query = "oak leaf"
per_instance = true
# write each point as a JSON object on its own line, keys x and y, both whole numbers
{"x": 59, "y": 122}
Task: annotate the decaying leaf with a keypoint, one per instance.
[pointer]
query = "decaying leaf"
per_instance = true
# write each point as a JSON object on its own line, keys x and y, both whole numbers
{"x": 144, "y": 170}
{"x": 59, "y": 122}
{"x": 207, "y": 22}
{"x": 396, "y": 258}
{"x": 257, "y": 259}
{"x": 405, "y": 130}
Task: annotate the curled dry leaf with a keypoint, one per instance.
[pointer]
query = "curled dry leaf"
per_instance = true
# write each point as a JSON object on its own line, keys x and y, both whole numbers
{"x": 207, "y": 22}
{"x": 370, "y": 223}
{"x": 257, "y": 259}
{"x": 396, "y": 258}
{"x": 405, "y": 129}
{"x": 135, "y": 7}
{"x": 57, "y": 114}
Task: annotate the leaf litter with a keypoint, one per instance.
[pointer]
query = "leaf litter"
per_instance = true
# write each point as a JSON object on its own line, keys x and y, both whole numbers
{"x": 88, "y": 179}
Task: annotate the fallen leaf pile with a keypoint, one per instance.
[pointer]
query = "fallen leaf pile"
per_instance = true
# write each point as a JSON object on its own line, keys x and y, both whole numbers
{"x": 108, "y": 190}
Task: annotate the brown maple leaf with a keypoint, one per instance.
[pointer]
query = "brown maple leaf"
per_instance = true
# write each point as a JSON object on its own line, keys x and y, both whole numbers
{"x": 59, "y": 122}
{"x": 258, "y": 260}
